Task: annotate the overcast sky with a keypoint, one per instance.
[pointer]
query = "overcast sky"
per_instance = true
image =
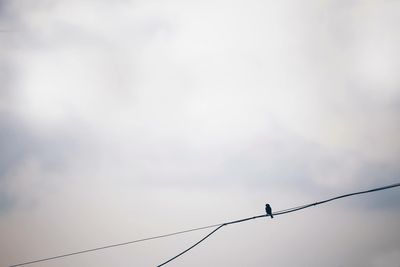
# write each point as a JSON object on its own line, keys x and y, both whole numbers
{"x": 121, "y": 120}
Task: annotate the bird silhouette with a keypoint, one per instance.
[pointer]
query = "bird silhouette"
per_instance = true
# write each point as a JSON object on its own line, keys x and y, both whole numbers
{"x": 268, "y": 210}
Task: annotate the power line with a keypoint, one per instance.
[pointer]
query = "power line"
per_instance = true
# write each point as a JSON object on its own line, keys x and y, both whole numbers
{"x": 115, "y": 245}
{"x": 219, "y": 226}
{"x": 198, "y": 242}
{"x": 279, "y": 213}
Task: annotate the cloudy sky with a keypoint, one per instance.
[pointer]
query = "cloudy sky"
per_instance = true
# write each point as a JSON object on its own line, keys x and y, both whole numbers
{"x": 121, "y": 120}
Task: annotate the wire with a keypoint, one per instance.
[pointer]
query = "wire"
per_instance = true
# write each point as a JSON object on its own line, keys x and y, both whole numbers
{"x": 198, "y": 242}
{"x": 281, "y": 213}
{"x": 115, "y": 245}
{"x": 219, "y": 226}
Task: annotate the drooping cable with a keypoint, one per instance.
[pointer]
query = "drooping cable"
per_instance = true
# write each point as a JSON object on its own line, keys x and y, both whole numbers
{"x": 219, "y": 226}
{"x": 281, "y": 213}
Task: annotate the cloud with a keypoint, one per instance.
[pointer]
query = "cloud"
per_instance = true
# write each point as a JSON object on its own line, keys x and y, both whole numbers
{"x": 144, "y": 117}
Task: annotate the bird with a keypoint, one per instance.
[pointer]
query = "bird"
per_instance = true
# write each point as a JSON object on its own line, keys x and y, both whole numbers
{"x": 268, "y": 210}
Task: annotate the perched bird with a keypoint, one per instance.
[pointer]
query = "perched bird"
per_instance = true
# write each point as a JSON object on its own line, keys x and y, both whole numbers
{"x": 268, "y": 210}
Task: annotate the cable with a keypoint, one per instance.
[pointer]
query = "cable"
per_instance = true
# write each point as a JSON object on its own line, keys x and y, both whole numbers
{"x": 115, "y": 245}
{"x": 281, "y": 213}
{"x": 219, "y": 226}
{"x": 198, "y": 242}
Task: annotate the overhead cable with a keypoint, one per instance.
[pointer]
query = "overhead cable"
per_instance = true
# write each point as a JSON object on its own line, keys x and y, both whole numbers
{"x": 219, "y": 226}
{"x": 280, "y": 213}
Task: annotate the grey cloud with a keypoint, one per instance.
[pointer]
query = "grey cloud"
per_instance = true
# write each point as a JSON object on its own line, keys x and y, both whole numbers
{"x": 20, "y": 142}
{"x": 28, "y": 156}
{"x": 15, "y": 143}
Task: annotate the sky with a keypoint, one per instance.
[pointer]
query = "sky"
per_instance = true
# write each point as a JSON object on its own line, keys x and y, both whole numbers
{"x": 122, "y": 120}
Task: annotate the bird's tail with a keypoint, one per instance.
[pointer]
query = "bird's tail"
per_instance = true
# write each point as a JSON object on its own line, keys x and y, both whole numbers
{"x": 272, "y": 216}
